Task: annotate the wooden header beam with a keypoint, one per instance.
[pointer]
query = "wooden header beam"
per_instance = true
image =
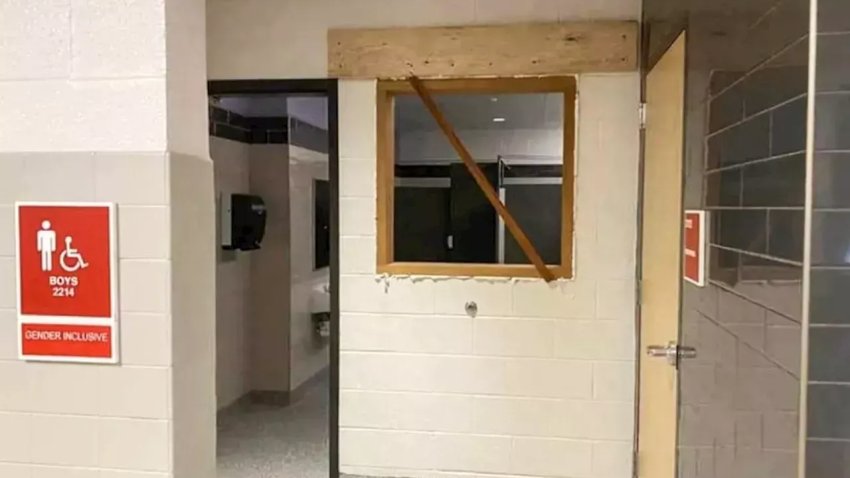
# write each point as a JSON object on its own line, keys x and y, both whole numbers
{"x": 510, "y": 223}
{"x": 532, "y": 49}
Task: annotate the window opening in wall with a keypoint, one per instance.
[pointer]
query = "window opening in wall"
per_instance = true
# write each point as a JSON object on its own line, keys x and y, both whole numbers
{"x": 434, "y": 218}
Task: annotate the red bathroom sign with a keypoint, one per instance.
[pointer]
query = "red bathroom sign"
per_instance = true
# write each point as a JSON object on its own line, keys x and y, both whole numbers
{"x": 67, "y": 282}
{"x": 694, "y": 248}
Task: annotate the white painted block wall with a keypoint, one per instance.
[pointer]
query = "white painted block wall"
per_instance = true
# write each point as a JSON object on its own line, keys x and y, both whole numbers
{"x": 86, "y": 117}
{"x": 289, "y": 353}
{"x": 233, "y": 277}
{"x": 541, "y": 382}
{"x": 270, "y": 289}
{"x": 309, "y": 355}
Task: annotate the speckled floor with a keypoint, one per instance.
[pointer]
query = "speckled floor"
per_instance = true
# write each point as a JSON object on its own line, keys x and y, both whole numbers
{"x": 260, "y": 441}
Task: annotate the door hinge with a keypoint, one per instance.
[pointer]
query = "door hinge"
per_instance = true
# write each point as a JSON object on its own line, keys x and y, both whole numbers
{"x": 642, "y": 115}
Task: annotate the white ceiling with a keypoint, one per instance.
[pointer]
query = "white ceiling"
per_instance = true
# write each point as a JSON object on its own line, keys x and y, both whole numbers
{"x": 310, "y": 109}
{"x": 476, "y": 111}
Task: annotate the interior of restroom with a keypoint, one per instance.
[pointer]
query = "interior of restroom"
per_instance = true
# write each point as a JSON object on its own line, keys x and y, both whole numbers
{"x": 270, "y": 156}
{"x": 440, "y": 213}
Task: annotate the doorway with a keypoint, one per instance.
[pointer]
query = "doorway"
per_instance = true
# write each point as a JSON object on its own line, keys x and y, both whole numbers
{"x": 274, "y": 146}
{"x": 660, "y": 275}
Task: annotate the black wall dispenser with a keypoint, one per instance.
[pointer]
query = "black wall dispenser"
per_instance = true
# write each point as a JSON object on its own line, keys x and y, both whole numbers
{"x": 243, "y": 221}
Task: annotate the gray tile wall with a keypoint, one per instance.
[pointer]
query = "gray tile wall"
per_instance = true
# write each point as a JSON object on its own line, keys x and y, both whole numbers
{"x": 745, "y": 163}
{"x": 828, "y": 431}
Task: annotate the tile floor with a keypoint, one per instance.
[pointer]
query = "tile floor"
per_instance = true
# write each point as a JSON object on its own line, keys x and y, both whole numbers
{"x": 258, "y": 441}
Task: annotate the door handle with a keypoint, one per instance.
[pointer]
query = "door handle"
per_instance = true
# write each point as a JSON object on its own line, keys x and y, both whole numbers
{"x": 672, "y": 352}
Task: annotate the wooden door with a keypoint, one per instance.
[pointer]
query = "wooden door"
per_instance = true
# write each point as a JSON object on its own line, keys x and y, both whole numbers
{"x": 661, "y": 265}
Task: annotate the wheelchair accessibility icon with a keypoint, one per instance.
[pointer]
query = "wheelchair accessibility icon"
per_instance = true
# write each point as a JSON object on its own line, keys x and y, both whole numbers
{"x": 71, "y": 254}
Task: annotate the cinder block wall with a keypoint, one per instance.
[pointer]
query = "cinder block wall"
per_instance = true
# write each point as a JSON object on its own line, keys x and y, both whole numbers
{"x": 233, "y": 277}
{"x": 100, "y": 104}
{"x": 541, "y": 382}
{"x": 265, "y": 339}
{"x": 308, "y": 355}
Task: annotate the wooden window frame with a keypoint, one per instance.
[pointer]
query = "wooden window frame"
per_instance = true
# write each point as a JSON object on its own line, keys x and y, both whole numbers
{"x": 387, "y": 90}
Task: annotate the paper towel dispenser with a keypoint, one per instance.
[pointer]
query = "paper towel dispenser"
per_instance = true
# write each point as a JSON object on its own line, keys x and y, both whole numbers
{"x": 243, "y": 221}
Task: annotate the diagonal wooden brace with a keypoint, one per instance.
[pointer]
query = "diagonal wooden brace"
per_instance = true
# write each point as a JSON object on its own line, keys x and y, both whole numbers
{"x": 487, "y": 188}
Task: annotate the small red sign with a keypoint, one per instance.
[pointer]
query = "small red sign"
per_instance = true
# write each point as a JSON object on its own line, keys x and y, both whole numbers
{"x": 52, "y": 340}
{"x": 65, "y": 260}
{"x": 67, "y": 280}
{"x": 694, "y": 250}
